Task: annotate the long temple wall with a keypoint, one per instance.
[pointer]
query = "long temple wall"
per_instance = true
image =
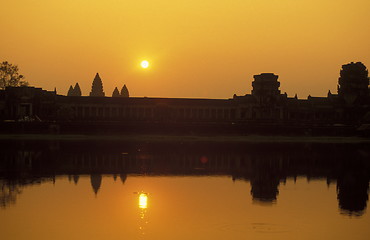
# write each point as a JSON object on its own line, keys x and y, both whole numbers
{"x": 265, "y": 106}
{"x": 148, "y": 109}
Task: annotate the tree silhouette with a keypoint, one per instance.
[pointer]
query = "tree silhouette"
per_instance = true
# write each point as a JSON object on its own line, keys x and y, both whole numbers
{"x": 124, "y": 91}
{"x": 10, "y": 77}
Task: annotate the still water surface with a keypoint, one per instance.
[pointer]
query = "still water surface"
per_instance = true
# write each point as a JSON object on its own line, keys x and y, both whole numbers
{"x": 184, "y": 191}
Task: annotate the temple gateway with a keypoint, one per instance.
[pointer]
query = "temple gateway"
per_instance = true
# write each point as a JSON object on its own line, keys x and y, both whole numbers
{"x": 265, "y": 110}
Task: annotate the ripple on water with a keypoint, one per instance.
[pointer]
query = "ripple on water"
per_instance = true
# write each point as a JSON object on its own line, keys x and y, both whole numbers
{"x": 255, "y": 227}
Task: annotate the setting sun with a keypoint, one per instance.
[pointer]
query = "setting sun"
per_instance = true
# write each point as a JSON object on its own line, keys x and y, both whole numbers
{"x": 144, "y": 64}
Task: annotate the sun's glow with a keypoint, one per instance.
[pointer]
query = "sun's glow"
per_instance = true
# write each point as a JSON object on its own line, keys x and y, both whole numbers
{"x": 144, "y": 64}
{"x": 143, "y": 200}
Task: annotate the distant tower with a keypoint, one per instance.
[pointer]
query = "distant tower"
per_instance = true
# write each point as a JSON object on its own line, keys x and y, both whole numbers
{"x": 97, "y": 87}
{"x": 353, "y": 81}
{"x": 77, "y": 90}
{"x": 266, "y": 84}
{"x": 115, "y": 93}
{"x": 74, "y": 91}
{"x": 124, "y": 91}
{"x": 70, "y": 91}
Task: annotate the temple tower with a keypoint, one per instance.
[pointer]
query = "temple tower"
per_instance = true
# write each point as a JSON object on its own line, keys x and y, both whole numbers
{"x": 115, "y": 93}
{"x": 74, "y": 91}
{"x": 353, "y": 81}
{"x": 77, "y": 90}
{"x": 97, "y": 87}
{"x": 124, "y": 91}
{"x": 265, "y": 84}
{"x": 70, "y": 91}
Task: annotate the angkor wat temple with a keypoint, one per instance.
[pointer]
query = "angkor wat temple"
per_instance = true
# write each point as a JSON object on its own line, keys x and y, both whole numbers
{"x": 265, "y": 110}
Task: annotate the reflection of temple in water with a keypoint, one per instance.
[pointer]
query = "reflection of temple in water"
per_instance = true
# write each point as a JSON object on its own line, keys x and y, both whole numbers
{"x": 265, "y": 180}
{"x": 95, "y": 182}
{"x": 265, "y": 170}
{"x": 352, "y": 189}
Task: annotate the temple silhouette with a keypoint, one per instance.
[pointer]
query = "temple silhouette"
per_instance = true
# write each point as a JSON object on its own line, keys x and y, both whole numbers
{"x": 266, "y": 110}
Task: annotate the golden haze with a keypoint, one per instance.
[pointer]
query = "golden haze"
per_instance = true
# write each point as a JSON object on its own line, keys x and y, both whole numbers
{"x": 197, "y": 48}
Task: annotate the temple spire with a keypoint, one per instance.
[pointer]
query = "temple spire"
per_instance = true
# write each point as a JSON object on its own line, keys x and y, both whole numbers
{"x": 115, "y": 93}
{"x": 329, "y": 93}
{"x": 70, "y": 91}
{"x": 97, "y": 87}
{"x": 124, "y": 91}
{"x": 77, "y": 90}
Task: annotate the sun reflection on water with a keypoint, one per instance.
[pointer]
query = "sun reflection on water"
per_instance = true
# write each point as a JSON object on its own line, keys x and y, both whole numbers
{"x": 143, "y": 200}
{"x": 143, "y": 205}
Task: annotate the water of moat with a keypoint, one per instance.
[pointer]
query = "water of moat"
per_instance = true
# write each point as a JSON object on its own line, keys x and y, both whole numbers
{"x": 176, "y": 190}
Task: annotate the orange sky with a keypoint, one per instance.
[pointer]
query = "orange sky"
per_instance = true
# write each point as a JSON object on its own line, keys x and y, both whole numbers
{"x": 196, "y": 48}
